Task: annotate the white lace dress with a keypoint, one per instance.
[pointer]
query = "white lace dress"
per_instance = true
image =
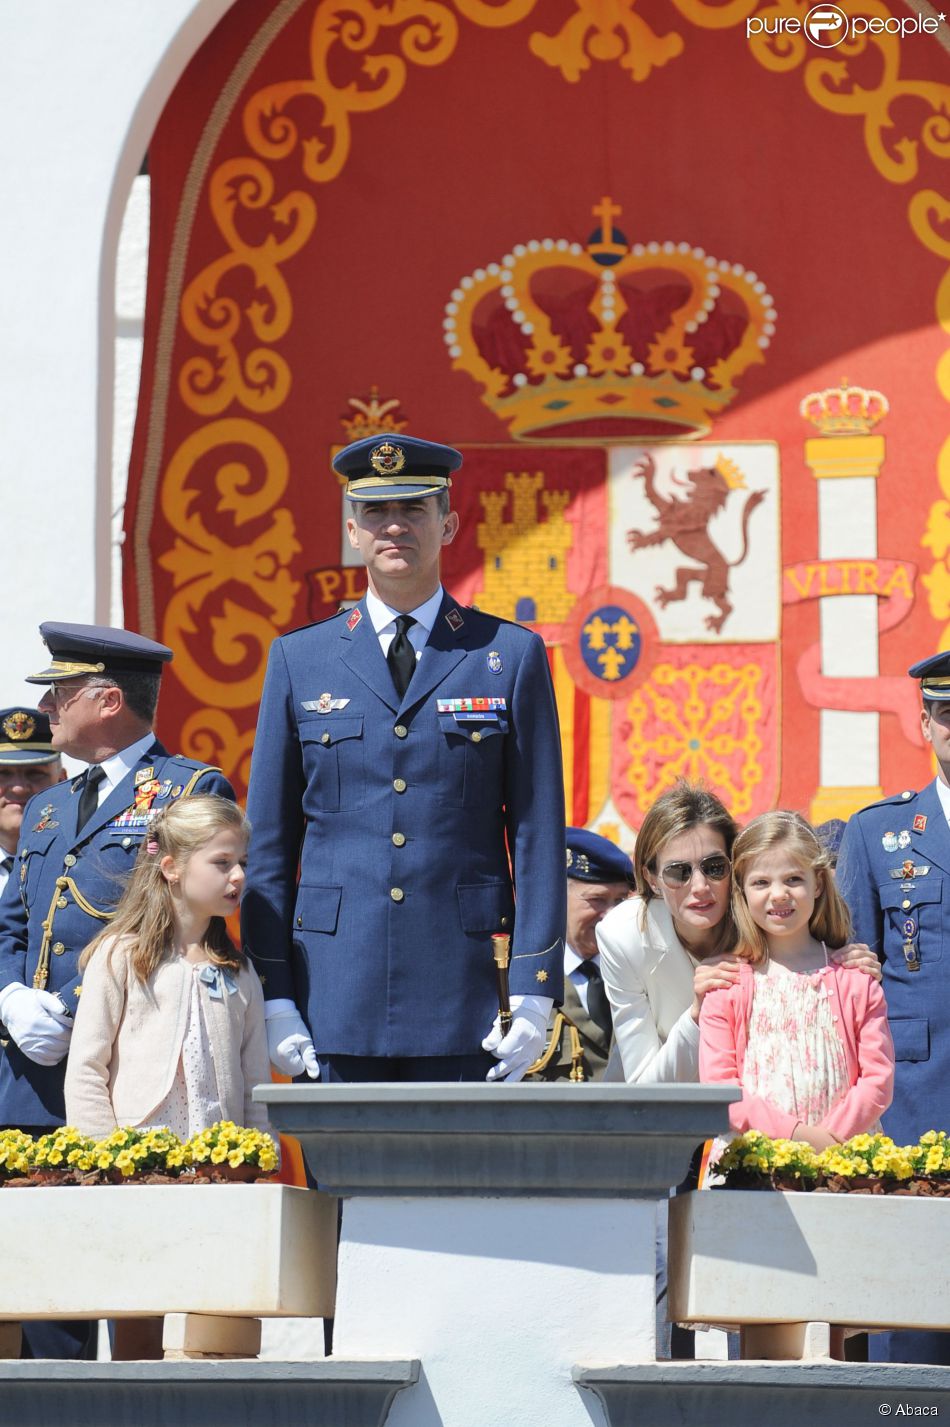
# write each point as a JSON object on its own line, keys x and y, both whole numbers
{"x": 192, "y": 1103}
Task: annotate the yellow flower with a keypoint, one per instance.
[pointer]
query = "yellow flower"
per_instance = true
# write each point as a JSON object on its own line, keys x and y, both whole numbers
{"x": 235, "y": 1158}
{"x": 219, "y": 1154}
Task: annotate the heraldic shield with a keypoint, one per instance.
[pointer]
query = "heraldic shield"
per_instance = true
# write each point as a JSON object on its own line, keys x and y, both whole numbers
{"x": 653, "y": 575}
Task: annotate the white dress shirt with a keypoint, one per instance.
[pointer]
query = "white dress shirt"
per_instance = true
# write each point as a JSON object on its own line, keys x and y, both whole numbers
{"x": 572, "y": 970}
{"x": 383, "y": 619}
{"x": 943, "y": 793}
{"x": 120, "y": 765}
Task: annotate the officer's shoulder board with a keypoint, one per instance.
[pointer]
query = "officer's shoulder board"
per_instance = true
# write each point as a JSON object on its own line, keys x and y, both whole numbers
{"x": 894, "y": 800}
{"x": 193, "y": 771}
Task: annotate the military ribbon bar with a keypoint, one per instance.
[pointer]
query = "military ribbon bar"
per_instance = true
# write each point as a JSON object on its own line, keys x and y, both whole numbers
{"x": 485, "y": 705}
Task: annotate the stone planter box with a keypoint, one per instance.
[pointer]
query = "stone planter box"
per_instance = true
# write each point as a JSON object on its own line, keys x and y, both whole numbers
{"x": 239, "y": 1250}
{"x": 748, "y": 1256}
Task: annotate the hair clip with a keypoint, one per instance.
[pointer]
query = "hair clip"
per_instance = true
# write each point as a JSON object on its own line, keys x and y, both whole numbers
{"x": 151, "y": 847}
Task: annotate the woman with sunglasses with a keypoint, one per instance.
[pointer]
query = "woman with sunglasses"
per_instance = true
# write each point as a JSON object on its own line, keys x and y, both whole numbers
{"x": 663, "y": 950}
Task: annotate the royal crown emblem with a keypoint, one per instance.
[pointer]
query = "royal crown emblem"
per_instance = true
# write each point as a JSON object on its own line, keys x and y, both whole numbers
{"x": 371, "y": 416}
{"x": 608, "y": 342}
{"x": 387, "y": 459}
{"x": 19, "y": 725}
{"x": 845, "y": 410}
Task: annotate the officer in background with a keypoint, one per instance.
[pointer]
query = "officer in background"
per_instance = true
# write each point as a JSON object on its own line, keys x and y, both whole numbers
{"x": 408, "y": 762}
{"x": 599, "y": 877}
{"x": 78, "y": 842}
{"x": 894, "y": 872}
{"x": 28, "y": 764}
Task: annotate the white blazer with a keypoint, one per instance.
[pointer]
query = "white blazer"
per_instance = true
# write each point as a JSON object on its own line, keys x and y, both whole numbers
{"x": 648, "y": 976}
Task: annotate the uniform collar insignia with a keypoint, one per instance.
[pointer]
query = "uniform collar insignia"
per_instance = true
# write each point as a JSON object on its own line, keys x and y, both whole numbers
{"x": 355, "y": 616}
{"x": 454, "y": 620}
{"x": 143, "y": 775}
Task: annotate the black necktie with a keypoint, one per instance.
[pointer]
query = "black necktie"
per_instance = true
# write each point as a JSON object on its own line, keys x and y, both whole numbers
{"x": 89, "y": 797}
{"x": 402, "y": 657}
{"x": 598, "y": 1007}
{"x": 6, "y": 864}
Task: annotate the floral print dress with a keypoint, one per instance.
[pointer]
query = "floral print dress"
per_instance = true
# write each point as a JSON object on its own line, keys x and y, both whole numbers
{"x": 794, "y": 1057}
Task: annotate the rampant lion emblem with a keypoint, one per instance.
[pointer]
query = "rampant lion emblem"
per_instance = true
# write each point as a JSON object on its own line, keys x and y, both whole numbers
{"x": 686, "y": 523}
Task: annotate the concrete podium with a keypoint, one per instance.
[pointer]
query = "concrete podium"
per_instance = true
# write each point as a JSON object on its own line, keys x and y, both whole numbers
{"x": 499, "y": 1234}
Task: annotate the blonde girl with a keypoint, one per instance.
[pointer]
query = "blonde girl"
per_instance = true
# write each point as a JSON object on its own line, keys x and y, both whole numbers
{"x": 170, "y": 1024}
{"x": 806, "y": 1038}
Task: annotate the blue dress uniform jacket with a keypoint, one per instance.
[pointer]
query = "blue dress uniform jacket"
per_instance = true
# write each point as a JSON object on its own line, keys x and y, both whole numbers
{"x": 398, "y": 813}
{"x": 894, "y": 873}
{"x": 61, "y": 895}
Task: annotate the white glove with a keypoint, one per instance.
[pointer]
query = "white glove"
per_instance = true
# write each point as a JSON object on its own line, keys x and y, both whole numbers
{"x": 525, "y": 1041}
{"x": 289, "y": 1043}
{"x": 37, "y": 1021}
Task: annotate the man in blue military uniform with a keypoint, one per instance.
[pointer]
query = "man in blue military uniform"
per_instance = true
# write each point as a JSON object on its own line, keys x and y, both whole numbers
{"x": 894, "y": 872}
{"x": 78, "y": 841}
{"x": 28, "y": 764}
{"x": 408, "y": 760}
{"x": 599, "y": 877}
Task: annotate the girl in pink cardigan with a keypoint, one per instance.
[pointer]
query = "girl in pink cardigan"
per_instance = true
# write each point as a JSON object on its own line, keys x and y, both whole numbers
{"x": 170, "y": 1025}
{"x": 806, "y": 1038}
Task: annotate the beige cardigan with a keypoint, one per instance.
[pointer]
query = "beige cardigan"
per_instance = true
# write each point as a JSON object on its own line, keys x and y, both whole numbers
{"x": 127, "y": 1040}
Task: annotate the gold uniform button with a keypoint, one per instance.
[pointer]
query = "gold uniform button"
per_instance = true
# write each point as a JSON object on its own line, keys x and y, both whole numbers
{"x": 905, "y": 904}
{"x": 62, "y": 902}
{"x": 69, "y": 860}
{"x": 126, "y": 842}
{"x": 324, "y": 738}
{"x": 399, "y": 839}
{"x": 476, "y": 737}
{"x": 504, "y": 921}
{"x": 399, "y": 784}
{"x": 397, "y": 894}
{"x": 401, "y": 731}
{"x": 300, "y": 921}
{"x": 58, "y": 948}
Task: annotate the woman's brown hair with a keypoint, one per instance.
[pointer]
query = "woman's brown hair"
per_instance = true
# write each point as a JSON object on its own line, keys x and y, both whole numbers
{"x": 830, "y": 921}
{"x": 680, "y": 809}
{"x": 144, "y": 921}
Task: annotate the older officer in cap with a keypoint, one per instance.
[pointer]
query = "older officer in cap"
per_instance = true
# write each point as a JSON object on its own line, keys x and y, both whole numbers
{"x": 599, "y": 877}
{"x": 77, "y": 842}
{"x": 408, "y": 761}
{"x": 894, "y": 872}
{"x": 28, "y": 764}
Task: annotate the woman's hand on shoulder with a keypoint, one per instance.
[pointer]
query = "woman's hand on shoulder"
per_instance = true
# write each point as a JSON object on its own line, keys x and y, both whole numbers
{"x": 858, "y": 957}
{"x": 720, "y": 973}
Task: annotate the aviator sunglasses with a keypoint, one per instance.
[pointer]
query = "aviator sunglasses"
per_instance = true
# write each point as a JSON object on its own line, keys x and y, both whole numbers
{"x": 714, "y": 868}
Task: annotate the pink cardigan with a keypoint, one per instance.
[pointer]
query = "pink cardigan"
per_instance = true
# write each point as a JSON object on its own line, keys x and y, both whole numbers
{"x": 861, "y": 1017}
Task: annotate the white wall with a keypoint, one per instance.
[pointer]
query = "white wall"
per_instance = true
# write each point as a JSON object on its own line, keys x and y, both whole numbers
{"x": 82, "y": 83}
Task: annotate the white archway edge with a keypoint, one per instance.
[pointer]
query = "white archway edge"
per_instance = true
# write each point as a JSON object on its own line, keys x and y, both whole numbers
{"x": 82, "y": 85}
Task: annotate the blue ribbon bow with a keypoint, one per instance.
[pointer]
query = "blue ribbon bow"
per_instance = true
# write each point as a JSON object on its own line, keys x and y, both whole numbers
{"x": 217, "y": 979}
